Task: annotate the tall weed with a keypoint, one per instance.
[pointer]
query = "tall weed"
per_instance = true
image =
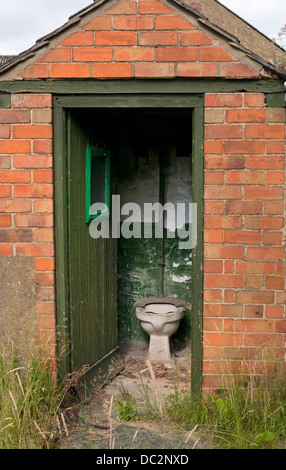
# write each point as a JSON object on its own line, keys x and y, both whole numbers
{"x": 29, "y": 402}
{"x": 236, "y": 418}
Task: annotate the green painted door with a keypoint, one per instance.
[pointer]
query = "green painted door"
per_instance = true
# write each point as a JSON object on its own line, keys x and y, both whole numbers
{"x": 91, "y": 265}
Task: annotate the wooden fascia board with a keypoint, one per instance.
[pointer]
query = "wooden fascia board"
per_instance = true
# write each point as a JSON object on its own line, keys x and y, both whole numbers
{"x": 201, "y": 85}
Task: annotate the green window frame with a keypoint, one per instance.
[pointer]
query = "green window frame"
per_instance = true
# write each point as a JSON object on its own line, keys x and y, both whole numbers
{"x": 97, "y": 181}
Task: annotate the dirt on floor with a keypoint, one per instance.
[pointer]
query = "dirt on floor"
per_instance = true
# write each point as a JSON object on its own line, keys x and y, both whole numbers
{"x": 110, "y": 419}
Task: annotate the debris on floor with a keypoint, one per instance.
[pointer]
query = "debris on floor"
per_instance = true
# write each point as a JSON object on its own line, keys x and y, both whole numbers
{"x": 110, "y": 419}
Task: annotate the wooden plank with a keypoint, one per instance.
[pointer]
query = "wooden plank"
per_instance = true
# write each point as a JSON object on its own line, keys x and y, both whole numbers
{"x": 73, "y": 237}
{"x": 166, "y": 86}
{"x": 100, "y": 374}
{"x": 93, "y": 322}
{"x": 197, "y": 273}
{"x": 62, "y": 298}
{"x": 129, "y": 101}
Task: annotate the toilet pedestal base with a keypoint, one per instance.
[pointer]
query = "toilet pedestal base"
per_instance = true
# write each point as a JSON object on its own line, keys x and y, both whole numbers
{"x": 159, "y": 351}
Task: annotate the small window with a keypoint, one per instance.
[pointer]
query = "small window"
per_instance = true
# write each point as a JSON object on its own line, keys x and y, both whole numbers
{"x": 97, "y": 181}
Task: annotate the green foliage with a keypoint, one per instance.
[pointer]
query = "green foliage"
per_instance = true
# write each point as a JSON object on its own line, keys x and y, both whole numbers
{"x": 264, "y": 438}
{"x": 234, "y": 419}
{"x": 29, "y": 402}
{"x": 127, "y": 409}
{"x": 280, "y": 60}
{"x": 246, "y": 415}
{"x": 281, "y": 38}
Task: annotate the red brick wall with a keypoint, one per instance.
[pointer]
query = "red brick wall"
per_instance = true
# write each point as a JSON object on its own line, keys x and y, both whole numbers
{"x": 244, "y": 265}
{"x": 26, "y": 196}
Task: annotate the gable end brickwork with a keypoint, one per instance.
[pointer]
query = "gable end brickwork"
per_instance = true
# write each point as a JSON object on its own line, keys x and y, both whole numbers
{"x": 139, "y": 39}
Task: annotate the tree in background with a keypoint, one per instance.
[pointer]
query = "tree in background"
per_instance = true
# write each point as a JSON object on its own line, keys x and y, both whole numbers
{"x": 280, "y": 60}
{"x": 282, "y": 37}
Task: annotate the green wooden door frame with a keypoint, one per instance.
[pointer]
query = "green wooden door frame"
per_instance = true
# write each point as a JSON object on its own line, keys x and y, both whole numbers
{"x": 177, "y": 99}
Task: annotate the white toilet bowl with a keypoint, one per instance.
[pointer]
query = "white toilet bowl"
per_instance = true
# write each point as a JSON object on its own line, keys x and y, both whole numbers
{"x": 160, "y": 318}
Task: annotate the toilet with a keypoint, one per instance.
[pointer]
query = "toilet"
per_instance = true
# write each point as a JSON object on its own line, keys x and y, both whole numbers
{"x": 160, "y": 319}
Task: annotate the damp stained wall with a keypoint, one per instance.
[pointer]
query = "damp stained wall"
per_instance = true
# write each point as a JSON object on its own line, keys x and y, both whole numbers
{"x": 137, "y": 180}
{"x": 18, "y": 314}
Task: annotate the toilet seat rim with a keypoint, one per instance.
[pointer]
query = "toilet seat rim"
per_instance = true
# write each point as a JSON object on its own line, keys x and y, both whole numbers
{"x": 157, "y": 300}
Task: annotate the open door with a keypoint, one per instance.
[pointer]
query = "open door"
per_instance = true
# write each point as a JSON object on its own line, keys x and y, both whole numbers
{"x": 91, "y": 262}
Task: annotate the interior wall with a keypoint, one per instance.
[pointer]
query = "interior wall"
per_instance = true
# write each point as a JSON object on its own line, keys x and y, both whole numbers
{"x": 137, "y": 180}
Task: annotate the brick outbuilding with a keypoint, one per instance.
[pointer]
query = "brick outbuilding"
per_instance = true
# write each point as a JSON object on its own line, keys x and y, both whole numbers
{"x": 131, "y": 76}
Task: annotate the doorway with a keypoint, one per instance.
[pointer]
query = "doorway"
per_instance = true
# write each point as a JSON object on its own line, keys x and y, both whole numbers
{"x": 102, "y": 278}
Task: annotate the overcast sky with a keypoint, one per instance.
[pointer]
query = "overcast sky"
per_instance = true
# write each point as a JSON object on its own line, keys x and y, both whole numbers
{"x": 22, "y": 22}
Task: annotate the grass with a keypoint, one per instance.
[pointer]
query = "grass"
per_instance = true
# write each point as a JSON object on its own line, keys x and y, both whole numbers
{"x": 30, "y": 412}
{"x": 235, "y": 418}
